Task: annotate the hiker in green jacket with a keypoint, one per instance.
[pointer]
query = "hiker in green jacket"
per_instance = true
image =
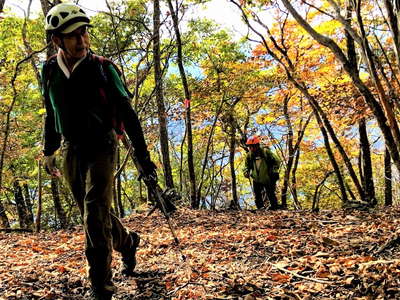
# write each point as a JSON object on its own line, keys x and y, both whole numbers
{"x": 263, "y": 167}
{"x": 85, "y": 101}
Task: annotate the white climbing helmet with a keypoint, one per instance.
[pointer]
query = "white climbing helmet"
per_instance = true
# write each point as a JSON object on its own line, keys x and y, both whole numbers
{"x": 65, "y": 18}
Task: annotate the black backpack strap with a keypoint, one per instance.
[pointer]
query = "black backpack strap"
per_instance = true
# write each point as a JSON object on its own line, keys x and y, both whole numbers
{"x": 48, "y": 69}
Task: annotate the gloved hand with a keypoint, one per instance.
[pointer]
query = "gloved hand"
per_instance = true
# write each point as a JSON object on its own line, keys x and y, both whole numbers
{"x": 50, "y": 166}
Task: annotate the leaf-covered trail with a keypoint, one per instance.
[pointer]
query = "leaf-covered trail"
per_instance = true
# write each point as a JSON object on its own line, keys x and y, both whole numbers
{"x": 230, "y": 255}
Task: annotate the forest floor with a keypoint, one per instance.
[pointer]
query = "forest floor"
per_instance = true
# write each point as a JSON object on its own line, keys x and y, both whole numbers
{"x": 229, "y": 255}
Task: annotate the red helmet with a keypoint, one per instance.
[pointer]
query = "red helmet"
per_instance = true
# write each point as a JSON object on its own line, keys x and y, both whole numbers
{"x": 253, "y": 140}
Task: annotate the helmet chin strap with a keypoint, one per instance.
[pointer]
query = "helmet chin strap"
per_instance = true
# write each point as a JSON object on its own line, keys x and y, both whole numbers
{"x": 62, "y": 46}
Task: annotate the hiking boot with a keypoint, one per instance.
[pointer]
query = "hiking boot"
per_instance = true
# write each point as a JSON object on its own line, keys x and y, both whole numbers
{"x": 100, "y": 296}
{"x": 105, "y": 293}
{"x": 129, "y": 257}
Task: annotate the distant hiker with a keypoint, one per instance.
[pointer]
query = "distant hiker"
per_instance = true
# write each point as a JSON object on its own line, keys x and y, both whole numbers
{"x": 85, "y": 101}
{"x": 263, "y": 167}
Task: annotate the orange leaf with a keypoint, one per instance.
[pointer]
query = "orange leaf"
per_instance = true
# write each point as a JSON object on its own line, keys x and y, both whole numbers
{"x": 281, "y": 278}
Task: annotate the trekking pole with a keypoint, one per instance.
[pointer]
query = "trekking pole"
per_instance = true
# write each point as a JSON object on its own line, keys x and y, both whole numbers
{"x": 158, "y": 194}
{"x": 265, "y": 196}
{"x": 155, "y": 190}
{"x": 252, "y": 189}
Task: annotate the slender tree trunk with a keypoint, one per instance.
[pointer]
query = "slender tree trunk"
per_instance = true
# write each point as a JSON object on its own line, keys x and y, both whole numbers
{"x": 60, "y": 213}
{"x": 368, "y": 181}
{"x": 162, "y": 119}
{"x": 192, "y": 176}
{"x": 181, "y": 183}
{"x": 388, "y": 179}
{"x": 20, "y": 204}
{"x": 326, "y": 124}
{"x": 232, "y": 149}
{"x": 366, "y": 174}
{"x": 4, "y": 222}
{"x": 394, "y": 27}
{"x": 291, "y": 153}
{"x": 293, "y": 180}
{"x": 341, "y": 150}
{"x": 315, "y": 204}
{"x": 115, "y": 207}
{"x": 39, "y": 204}
{"x": 29, "y": 205}
{"x": 328, "y": 148}
{"x": 368, "y": 57}
{"x": 205, "y": 160}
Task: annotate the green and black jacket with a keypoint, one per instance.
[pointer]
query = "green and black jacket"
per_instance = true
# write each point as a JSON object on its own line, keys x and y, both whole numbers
{"x": 83, "y": 108}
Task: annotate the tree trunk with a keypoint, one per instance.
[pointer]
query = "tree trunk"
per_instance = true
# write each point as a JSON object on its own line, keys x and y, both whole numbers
{"x": 367, "y": 179}
{"x": 205, "y": 160}
{"x": 315, "y": 204}
{"x": 232, "y": 149}
{"x": 39, "y": 204}
{"x": 327, "y": 126}
{"x": 159, "y": 97}
{"x": 370, "y": 61}
{"x": 60, "y": 213}
{"x": 20, "y": 204}
{"x": 29, "y": 205}
{"x": 293, "y": 180}
{"x": 192, "y": 176}
{"x": 291, "y": 153}
{"x": 388, "y": 179}
{"x": 4, "y": 222}
{"x": 394, "y": 27}
{"x": 366, "y": 174}
{"x": 115, "y": 206}
{"x": 329, "y": 151}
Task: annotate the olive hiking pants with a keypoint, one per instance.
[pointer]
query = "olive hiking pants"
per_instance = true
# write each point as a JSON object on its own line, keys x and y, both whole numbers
{"x": 89, "y": 172}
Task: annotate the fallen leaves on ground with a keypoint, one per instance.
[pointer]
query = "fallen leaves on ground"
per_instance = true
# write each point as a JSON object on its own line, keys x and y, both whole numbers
{"x": 224, "y": 255}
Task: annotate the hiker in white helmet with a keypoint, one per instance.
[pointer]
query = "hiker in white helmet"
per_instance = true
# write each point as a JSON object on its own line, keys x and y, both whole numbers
{"x": 87, "y": 104}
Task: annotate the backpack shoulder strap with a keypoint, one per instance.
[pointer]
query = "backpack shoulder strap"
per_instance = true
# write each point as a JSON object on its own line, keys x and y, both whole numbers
{"x": 104, "y": 62}
{"x": 47, "y": 71}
